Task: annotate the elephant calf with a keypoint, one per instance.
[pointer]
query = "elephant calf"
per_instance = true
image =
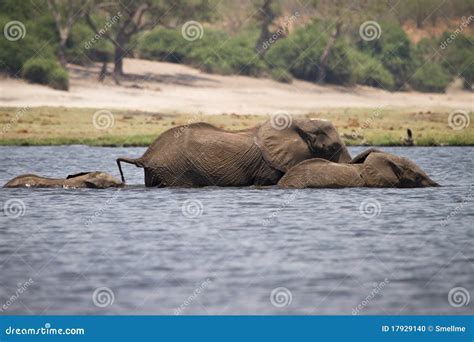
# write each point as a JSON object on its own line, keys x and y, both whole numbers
{"x": 98, "y": 180}
{"x": 371, "y": 168}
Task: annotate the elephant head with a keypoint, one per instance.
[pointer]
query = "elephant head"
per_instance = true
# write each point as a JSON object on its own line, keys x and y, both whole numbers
{"x": 383, "y": 169}
{"x": 302, "y": 139}
{"x": 372, "y": 168}
{"x": 99, "y": 180}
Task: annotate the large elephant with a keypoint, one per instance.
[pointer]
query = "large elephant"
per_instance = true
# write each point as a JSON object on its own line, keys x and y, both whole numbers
{"x": 99, "y": 180}
{"x": 201, "y": 154}
{"x": 372, "y": 168}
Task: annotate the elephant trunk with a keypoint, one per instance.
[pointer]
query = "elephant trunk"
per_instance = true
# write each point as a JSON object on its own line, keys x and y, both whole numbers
{"x": 429, "y": 183}
{"x": 137, "y": 162}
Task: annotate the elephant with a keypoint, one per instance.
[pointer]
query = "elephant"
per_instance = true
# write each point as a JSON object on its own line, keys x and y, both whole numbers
{"x": 372, "y": 168}
{"x": 200, "y": 154}
{"x": 98, "y": 180}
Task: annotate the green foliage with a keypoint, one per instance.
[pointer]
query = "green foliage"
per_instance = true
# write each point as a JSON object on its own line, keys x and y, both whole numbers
{"x": 467, "y": 73}
{"x": 371, "y": 72}
{"x": 430, "y": 78}
{"x": 301, "y": 52}
{"x": 164, "y": 45}
{"x": 46, "y": 71}
{"x": 457, "y": 56}
{"x": 82, "y": 47}
{"x": 59, "y": 79}
{"x": 14, "y": 53}
{"x": 394, "y": 50}
{"x": 215, "y": 52}
{"x": 281, "y": 75}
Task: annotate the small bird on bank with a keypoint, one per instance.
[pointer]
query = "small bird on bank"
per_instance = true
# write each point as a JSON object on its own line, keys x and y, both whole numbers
{"x": 408, "y": 141}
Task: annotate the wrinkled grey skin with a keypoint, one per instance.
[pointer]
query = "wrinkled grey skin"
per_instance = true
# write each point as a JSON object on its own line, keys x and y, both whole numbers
{"x": 201, "y": 154}
{"x": 372, "y": 168}
{"x": 97, "y": 180}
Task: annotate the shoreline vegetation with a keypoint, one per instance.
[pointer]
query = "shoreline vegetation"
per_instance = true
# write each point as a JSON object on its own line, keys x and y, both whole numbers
{"x": 35, "y": 126}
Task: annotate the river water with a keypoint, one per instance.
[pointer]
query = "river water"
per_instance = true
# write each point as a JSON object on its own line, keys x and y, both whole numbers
{"x": 234, "y": 251}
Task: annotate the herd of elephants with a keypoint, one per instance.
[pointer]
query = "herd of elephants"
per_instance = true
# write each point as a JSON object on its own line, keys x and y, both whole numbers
{"x": 305, "y": 153}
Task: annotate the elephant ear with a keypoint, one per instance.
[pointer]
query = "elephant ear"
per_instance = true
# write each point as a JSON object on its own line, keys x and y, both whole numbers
{"x": 382, "y": 170}
{"x": 282, "y": 147}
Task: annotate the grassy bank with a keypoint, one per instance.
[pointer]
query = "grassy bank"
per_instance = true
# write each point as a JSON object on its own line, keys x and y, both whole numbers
{"x": 66, "y": 126}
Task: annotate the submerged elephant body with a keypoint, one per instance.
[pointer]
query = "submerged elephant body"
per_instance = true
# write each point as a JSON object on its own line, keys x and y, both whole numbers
{"x": 201, "y": 154}
{"x": 372, "y": 168}
{"x": 98, "y": 180}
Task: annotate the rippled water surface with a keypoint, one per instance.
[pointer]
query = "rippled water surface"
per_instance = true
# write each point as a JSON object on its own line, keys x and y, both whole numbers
{"x": 401, "y": 256}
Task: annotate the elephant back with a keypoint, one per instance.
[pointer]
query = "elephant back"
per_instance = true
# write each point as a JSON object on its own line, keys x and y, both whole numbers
{"x": 174, "y": 142}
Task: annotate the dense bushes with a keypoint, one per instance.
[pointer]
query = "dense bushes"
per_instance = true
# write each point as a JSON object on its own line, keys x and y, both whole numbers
{"x": 80, "y": 49}
{"x": 33, "y": 57}
{"x": 390, "y": 62}
{"x": 370, "y": 71}
{"x": 215, "y": 52}
{"x": 393, "y": 49}
{"x": 46, "y": 71}
{"x": 430, "y": 78}
{"x": 301, "y": 52}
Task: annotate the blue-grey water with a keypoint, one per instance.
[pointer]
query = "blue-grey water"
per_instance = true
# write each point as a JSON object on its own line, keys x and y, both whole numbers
{"x": 234, "y": 251}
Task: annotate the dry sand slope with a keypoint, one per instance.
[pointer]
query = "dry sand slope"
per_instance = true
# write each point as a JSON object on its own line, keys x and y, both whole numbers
{"x": 172, "y": 88}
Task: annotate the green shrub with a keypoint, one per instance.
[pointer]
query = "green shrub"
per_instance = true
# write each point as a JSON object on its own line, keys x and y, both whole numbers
{"x": 394, "y": 50}
{"x": 457, "y": 56}
{"x": 215, "y": 52}
{"x": 13, "y": 54}
{"x": 281, "y": 75}
{"x": 370, "y": 71}
{"x": 467, "y": 73}
{"x": 81, "y": 49}
{"x": 301, "y": 52}
{"x": 45, "y": 71}
{"x": 59, "y": 79}
{"x": 430, "y": 78}
{"x": 163, "y": 45}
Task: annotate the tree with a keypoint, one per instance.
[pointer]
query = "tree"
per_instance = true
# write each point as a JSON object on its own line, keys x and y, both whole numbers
{"x": 137, "y": 16}
{"x": 65, "y": 13}
{"x": 265, "y": 15}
